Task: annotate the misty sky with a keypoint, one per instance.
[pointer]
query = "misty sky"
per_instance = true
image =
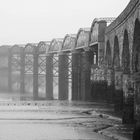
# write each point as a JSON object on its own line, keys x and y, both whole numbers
{"x": 31, "y": 21}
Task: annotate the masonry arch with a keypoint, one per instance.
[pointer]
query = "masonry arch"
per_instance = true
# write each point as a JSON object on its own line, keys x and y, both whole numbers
{"x": 136, "y": 47}
{"x": 126, "y": 54}
{"x": 116, "y": 52}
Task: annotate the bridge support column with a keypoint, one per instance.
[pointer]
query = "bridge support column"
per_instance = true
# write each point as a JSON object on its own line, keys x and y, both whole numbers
{"x": 9, "y": 71}
{"x": 22, "y": 72}
{"x": 110, "y": 85}
{"x": 63, "y": 76}
{"x": 136, "y": 80}
{"x": 118, "y": 91}
{"x": 76, "y": 75}
{"x": 35, "y": 76}
{"x": 128, "y": 95}
{"x": 85, "y": 75}
{"x": 49, "y": 76}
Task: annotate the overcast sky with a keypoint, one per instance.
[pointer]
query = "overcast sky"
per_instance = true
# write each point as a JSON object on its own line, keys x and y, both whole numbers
{"x": 24, "y": 21}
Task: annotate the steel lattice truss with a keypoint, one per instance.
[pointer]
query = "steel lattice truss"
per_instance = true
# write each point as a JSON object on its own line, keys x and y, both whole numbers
{"x": 28, "y": 64}
{"x": 42, "y": 64}
{"x": 55, "y": 65}
{"x": 15, "y": 67}
{"x": 15, "y": 63}
{"x": 55, "y": 69}
{"x": 69, "y": 66}
{"x": 3, "y": 62}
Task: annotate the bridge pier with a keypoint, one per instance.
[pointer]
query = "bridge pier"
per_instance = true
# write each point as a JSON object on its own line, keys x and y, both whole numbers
{"x": 128, "y": 95}
{"x": 9, "y": 71}
{"x": 85, "y": 75}
{"x": 49, "y": 76}
{"x": 63, "y": 77}
{"x": 110, "y": 85}
{"x": 35, "y": 75}
{"x": 118, "y": 91}
{"x": 76, "y": 75}
{"x": 22, "y": 71}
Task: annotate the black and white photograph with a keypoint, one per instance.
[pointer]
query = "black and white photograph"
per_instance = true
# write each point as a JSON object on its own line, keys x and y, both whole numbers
{"x": 69, "y": 70}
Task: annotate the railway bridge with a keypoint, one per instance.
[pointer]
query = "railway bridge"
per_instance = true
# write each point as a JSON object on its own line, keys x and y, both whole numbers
{"x": 101, "y": 62}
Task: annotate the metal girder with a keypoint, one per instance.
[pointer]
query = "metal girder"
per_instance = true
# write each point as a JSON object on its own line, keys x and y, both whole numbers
{"x": 28, "y": 64}
{"x": 69, "y": 67}
{"x": 15, "y": 60}
{"x": 42, "y": 64}
{"x": 55, "y": 65}
{"x": 55, "y": 70}
{"x": 15, "y": 71}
